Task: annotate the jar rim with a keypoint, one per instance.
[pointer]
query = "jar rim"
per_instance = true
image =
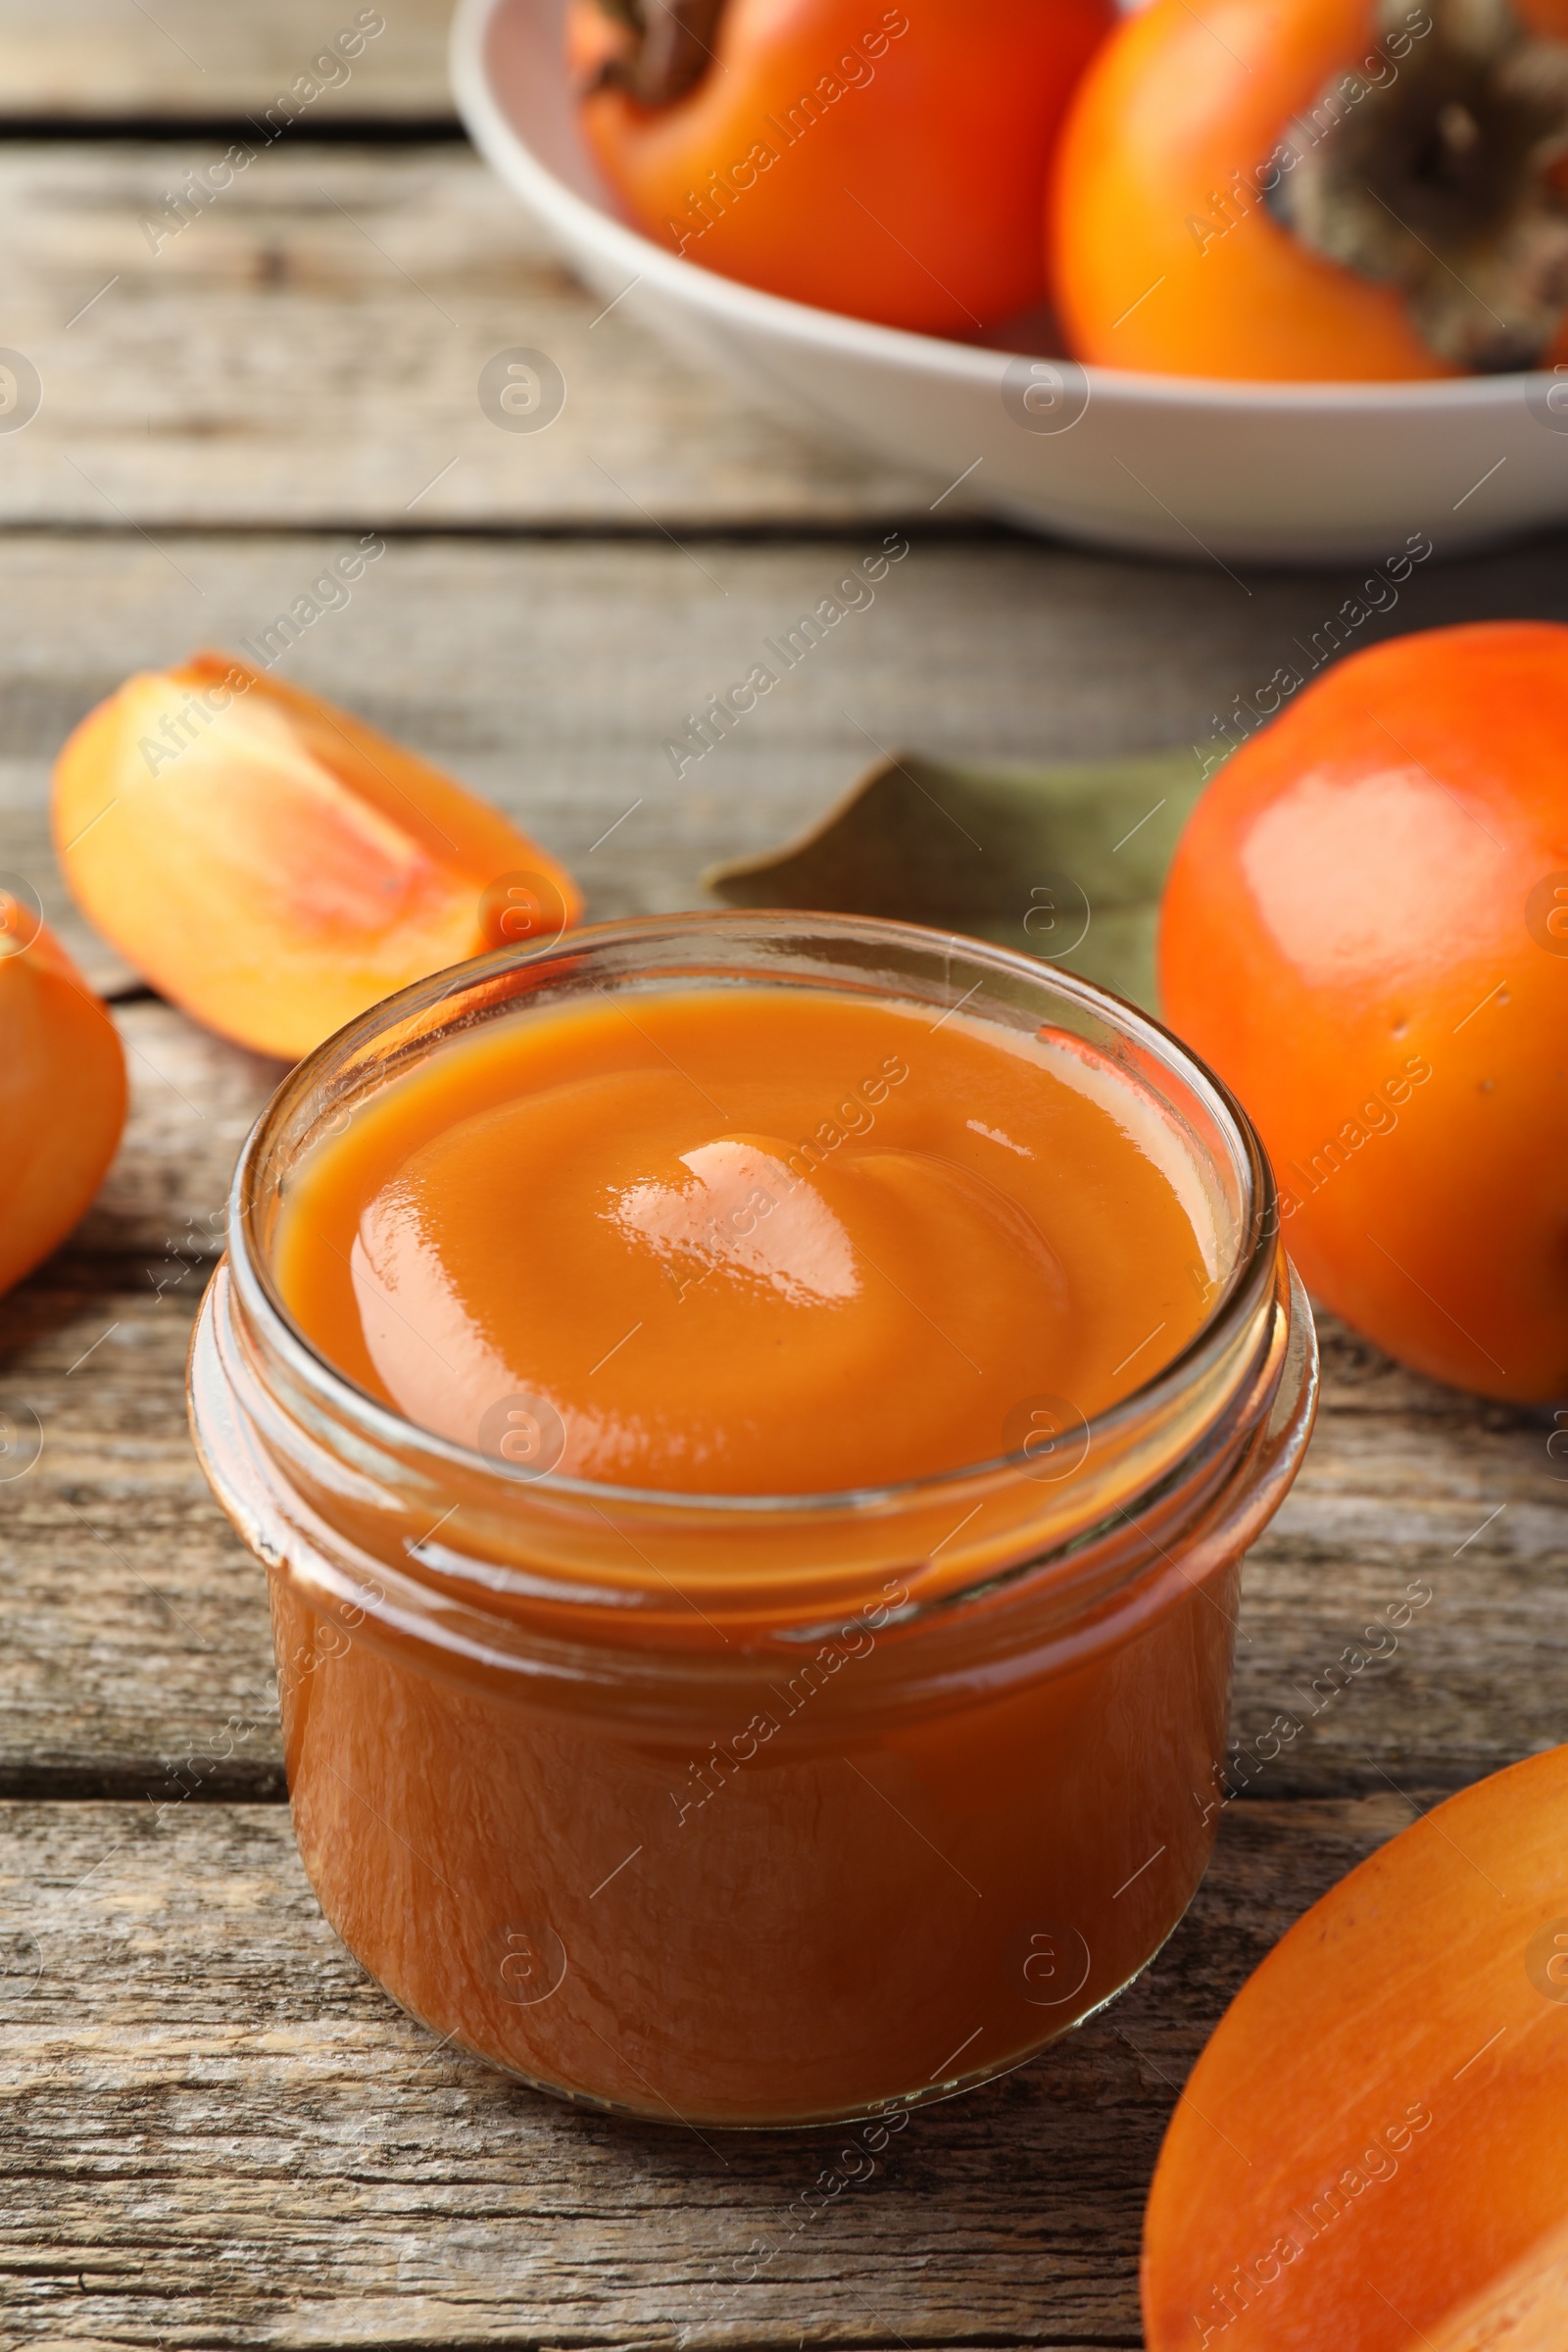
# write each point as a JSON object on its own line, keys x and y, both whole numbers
{"x": 1238, "y": 1298}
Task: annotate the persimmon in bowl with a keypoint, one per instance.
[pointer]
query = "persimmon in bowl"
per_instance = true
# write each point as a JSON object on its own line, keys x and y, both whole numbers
{"x": 1162, "y": 463}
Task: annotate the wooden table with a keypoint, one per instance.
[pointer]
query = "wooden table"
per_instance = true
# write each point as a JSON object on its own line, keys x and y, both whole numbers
{"x": 217, "y": 2133}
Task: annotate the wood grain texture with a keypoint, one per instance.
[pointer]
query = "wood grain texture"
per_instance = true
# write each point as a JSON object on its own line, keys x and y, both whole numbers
{"x": 221, "y": 2133}
{"x": 100, "y": 61}
{"x": 553, "y": 675}
{"x": 308, "y": 348}
{"x": 194, "y": 1098}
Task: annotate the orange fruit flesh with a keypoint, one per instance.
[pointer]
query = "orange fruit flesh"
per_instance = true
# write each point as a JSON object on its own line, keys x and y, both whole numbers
{"x": 275, "y": 866}
{"x": 770, "y": 1242}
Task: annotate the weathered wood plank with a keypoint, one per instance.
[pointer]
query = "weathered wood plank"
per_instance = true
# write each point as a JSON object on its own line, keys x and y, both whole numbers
{"x": 98, "y": 61}
{"x": 194, "y": 1098}
{"x": 1406, "y": 1611}
{"x": 553, "y": 675}
{"x": 221, "y": 2131}
{"x": 308, "y": 348}
{"x": 136, "y": 1625}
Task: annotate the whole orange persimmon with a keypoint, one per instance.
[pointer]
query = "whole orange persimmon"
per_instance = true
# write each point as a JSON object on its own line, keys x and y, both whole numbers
{"x": 886, "y": 162}
{"x": 1365, "y": 933}
{"x": 1310, "y": 189}
{"x": 61, "y": 1091}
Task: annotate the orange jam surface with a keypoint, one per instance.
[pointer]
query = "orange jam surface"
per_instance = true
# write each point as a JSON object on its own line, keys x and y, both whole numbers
{"x": 749, "y": 1240}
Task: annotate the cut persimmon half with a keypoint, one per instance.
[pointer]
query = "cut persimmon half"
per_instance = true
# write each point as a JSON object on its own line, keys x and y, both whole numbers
{"x": 1370, "y": 2154}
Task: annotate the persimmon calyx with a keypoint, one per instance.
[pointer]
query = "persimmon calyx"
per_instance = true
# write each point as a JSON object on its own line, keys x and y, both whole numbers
{"x": 657, "y": 49}
{"x": 1435, "y": 176}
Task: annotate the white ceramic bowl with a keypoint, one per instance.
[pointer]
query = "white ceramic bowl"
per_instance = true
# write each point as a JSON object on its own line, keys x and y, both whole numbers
{"x": 1170, "y": 465}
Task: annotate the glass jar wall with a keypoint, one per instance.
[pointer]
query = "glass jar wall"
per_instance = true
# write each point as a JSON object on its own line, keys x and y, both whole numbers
{"x": 759, "y": 1810}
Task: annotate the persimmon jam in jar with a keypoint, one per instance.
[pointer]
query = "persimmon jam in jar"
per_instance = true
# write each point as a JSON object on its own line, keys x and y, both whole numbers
{"x": 753, "y": 1422}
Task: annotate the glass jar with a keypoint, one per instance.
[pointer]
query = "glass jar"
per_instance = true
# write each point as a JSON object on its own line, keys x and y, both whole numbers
{"x": 759, "y": 1810}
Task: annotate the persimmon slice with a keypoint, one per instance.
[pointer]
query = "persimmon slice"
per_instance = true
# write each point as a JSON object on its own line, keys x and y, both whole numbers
{"x": 1370, "y": 2154}
{"x": 275, "y": 866}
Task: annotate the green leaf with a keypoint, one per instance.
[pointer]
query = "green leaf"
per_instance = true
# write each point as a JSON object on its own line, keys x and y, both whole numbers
{"x": 1062, "y": 862}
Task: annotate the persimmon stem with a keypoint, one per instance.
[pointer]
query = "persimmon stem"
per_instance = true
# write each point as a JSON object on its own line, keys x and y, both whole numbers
{"x": 1428, "y": 165}
{"x": 666, "y": 47}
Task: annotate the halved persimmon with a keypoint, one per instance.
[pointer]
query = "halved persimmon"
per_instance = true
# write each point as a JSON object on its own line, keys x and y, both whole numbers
{"x": 1369, "y": 2156}
{"x": 275, "y": 866}
{"x": 62, "y": 1090}
{"x": 1312, "y": 189}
